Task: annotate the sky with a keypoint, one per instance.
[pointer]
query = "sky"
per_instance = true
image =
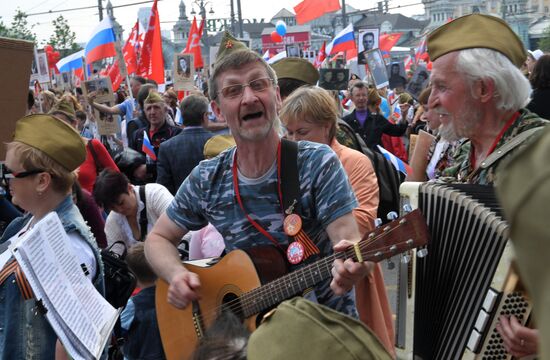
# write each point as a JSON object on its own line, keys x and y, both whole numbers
{"x": 82, "y": 22}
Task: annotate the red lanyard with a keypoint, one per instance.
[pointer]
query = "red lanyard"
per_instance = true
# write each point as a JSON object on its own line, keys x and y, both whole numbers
{"x": 509, "y": 123}
{"x": 239, "y": 200}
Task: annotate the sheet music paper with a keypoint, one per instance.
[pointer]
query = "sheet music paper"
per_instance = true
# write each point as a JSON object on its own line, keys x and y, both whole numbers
{"x": 80, "y": 316}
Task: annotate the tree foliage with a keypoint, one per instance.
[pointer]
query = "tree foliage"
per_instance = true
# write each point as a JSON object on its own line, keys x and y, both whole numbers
{"x": 544, "y": 42}
{"x": 19, "y": 28}
{"x": 63, "y": 39}
{"x": 3, "y": 29}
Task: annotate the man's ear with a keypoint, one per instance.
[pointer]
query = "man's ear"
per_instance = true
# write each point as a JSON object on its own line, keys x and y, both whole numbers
{"x": 217, "y": 111}
{"x": 484, "y": 89}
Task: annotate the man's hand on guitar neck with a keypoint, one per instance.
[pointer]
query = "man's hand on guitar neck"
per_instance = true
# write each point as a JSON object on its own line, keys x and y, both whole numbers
{"x": 184, "y": 287}
{"x": 345, "y": 274}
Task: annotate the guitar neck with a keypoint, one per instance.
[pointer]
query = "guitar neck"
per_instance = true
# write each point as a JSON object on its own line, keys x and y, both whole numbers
{"x": 294, "y": 283}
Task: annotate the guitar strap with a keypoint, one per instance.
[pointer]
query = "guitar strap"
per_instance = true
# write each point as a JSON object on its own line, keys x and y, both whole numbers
{"x": 290, "y": 184}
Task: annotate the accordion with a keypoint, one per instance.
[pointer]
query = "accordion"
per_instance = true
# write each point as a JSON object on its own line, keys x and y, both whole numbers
{"x": 448, "y": 302}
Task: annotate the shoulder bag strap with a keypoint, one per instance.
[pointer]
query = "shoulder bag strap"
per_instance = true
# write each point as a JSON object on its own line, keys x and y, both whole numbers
{"x": 143, "y": 213}
{"x": 98, "y": 166}
{"x": 290, "y": 184}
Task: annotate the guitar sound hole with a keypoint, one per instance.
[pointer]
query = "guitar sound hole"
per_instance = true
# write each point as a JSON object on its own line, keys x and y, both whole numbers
{"x": 231, "y": 303}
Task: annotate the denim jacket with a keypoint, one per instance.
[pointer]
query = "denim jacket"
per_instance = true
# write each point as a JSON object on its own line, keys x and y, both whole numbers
{"x": 25, "y": 332}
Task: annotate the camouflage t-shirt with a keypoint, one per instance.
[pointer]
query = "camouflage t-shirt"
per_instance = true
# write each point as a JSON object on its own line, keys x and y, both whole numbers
{"x": 207, "y": 195}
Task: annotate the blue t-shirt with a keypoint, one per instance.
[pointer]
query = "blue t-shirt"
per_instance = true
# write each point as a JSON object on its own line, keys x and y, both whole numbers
{"x": 207, "y": 196}
{"x": 127, "y": 107}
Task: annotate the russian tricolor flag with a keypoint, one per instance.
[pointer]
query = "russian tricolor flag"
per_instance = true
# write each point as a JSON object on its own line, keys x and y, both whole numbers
{"x": 342, "y": 42}
{"x": 102, "y": 42}
{"x": 399, "y": 164}
{"x": 73, "y": 61}
{"x": 147, "y": 147}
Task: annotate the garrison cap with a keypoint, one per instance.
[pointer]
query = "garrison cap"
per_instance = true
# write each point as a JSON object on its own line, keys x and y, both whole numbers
{"x": 217, "y": 144}
{"x": 229, "y": 45}
{"x": 53, "y": 137}
{"x": 296, "y": 68}
{"x": 476, "y": 31}
{"x": 301, "y": 329}
{"x": 153, "y": 97}
{"x": 65, "y": 107}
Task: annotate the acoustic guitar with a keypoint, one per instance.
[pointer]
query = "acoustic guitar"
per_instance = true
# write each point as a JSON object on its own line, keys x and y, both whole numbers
{"x": 253, "y": 281}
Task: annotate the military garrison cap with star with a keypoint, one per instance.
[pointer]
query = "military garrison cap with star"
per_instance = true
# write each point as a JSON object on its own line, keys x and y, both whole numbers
{"x": 229, "y": 45}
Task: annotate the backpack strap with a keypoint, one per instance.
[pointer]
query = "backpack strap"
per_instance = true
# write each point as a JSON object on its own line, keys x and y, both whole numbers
{"x": 290, "y": 183}
{"x": 143, "y": 214}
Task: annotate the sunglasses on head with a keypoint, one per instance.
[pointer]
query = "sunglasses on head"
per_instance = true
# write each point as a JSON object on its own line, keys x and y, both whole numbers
{"x": 9, "y": 174}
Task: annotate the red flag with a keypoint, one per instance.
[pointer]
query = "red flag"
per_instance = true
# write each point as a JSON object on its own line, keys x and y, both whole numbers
{"x": 151, "y": 63}
{"x": 114, "y": 73}
{"x": 309, "y": 10}
{"x": 193, "y": 43}
{"x": 321, "y": 56}
{"x": 129, "y": 50}
{"x": 387, "y": 41}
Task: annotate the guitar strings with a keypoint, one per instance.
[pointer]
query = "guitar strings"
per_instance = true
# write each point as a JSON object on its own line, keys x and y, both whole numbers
{"x": 237, "y": 304}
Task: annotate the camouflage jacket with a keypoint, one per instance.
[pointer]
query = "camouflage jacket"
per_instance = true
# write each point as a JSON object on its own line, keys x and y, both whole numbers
{"x": 486, "y": 175}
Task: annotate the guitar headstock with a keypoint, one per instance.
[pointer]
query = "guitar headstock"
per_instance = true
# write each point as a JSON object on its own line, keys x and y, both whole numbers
{"x": 398, "y": 236}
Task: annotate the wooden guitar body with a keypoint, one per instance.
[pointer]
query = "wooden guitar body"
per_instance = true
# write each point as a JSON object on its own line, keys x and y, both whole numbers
{"x": 222, "y": 283}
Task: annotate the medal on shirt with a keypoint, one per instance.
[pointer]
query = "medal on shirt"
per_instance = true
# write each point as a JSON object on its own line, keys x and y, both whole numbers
{"x": 302, "y": 247}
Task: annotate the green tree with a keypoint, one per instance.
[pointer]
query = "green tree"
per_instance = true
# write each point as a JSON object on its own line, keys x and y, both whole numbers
{"x": 63, "y": 39}
{"x": 20, "y": 27}
{"x": 4, "y": 31}
{"x": 544, "y": 42}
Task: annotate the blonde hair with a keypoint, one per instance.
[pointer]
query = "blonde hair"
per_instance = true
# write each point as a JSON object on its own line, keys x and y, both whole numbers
{"x": 314, "y": 104}
{"x": 34, "y": 159}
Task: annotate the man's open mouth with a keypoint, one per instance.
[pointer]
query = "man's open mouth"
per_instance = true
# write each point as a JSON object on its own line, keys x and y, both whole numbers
{"x": 252, "y": 116}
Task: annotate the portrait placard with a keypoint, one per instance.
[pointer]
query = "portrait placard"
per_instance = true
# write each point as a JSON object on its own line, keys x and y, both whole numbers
{"x": 419, "y": 81}
{"x": 183, "y": 71}
{"x": 396, "y": 74}
{"x": 102, "y": 88}
{"x": 107, "y": 124}
{"x": 293, "y": 50}
{"x": 377, "y": 68}
{"x": 366, "y": 41}
{"x": 334, "y": 79}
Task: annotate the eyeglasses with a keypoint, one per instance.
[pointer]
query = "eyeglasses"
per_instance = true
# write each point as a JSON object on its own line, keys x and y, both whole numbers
{"x": 257, "y": 85}
{"x": 8, "y": 174}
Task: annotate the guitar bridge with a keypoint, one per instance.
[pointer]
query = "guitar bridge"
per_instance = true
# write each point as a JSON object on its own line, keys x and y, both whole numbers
{"x": 197, "y": 320}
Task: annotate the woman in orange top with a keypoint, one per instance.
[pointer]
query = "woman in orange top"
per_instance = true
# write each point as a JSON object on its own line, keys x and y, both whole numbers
{"x": 311, "y": 114}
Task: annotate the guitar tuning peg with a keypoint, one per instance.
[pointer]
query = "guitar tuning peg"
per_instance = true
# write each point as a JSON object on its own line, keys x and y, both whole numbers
{"x": 390, "y": 264}
{"x": 407, "y": 208}
{"x": 422, "y": 252}
{"x": 392, "y": 215}
{"x": 405, "y": 258}
{"x": 377, "y": 222}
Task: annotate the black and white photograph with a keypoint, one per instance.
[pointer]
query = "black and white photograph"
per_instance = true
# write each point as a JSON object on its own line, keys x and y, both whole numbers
{"x": 377, "y": 68}
{"x": 334, "y": 79}
{"x": 293, "y": 50}
{"x": 101, "y": 86}
{"x": 419, "y": 81}
{"x": 366, "y": 41}
{"x": 107, "y": 124}
{"x": 397, "y": 75}
{"x": 183, "y": 71}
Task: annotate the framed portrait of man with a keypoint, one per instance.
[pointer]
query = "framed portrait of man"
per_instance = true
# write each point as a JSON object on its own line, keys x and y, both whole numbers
{"x": 333, "y": 79}
{"x": 366, "y": 41}
{"x": 397, "y": 75}
{"x": 419, "y": 81}
{"x": 377, "y": 68}
{"x": 293, "y": 50}
{"x": 183, "y": 71}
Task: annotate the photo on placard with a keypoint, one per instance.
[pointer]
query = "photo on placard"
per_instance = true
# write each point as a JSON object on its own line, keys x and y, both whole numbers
{"x": 377, "y": 68}
{"x": 107, "y": 124}
{"x": 397, "y": 75}
{"x": 184, "y": 72}
{"x": 366, "y": 41}
{"x": 102, "y": 88}
{"x": 333, "y": 79}
{"x": 293, "y": 50}
{"x": 419, "y": 81}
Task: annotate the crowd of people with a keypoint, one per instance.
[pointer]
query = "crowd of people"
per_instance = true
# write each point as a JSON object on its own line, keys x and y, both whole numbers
{"x": 203, "y": 172}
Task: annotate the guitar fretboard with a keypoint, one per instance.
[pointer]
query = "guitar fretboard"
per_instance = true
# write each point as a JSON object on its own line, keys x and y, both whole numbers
{"x": 274, "y": 292}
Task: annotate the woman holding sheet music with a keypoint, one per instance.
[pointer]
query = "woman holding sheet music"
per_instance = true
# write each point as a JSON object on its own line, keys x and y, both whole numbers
{"x": 39, "y": 171}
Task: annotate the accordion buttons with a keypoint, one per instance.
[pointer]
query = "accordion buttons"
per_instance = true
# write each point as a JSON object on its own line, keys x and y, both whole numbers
{"x": 481, "y": 321}
{"x": 473, "y": 342}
